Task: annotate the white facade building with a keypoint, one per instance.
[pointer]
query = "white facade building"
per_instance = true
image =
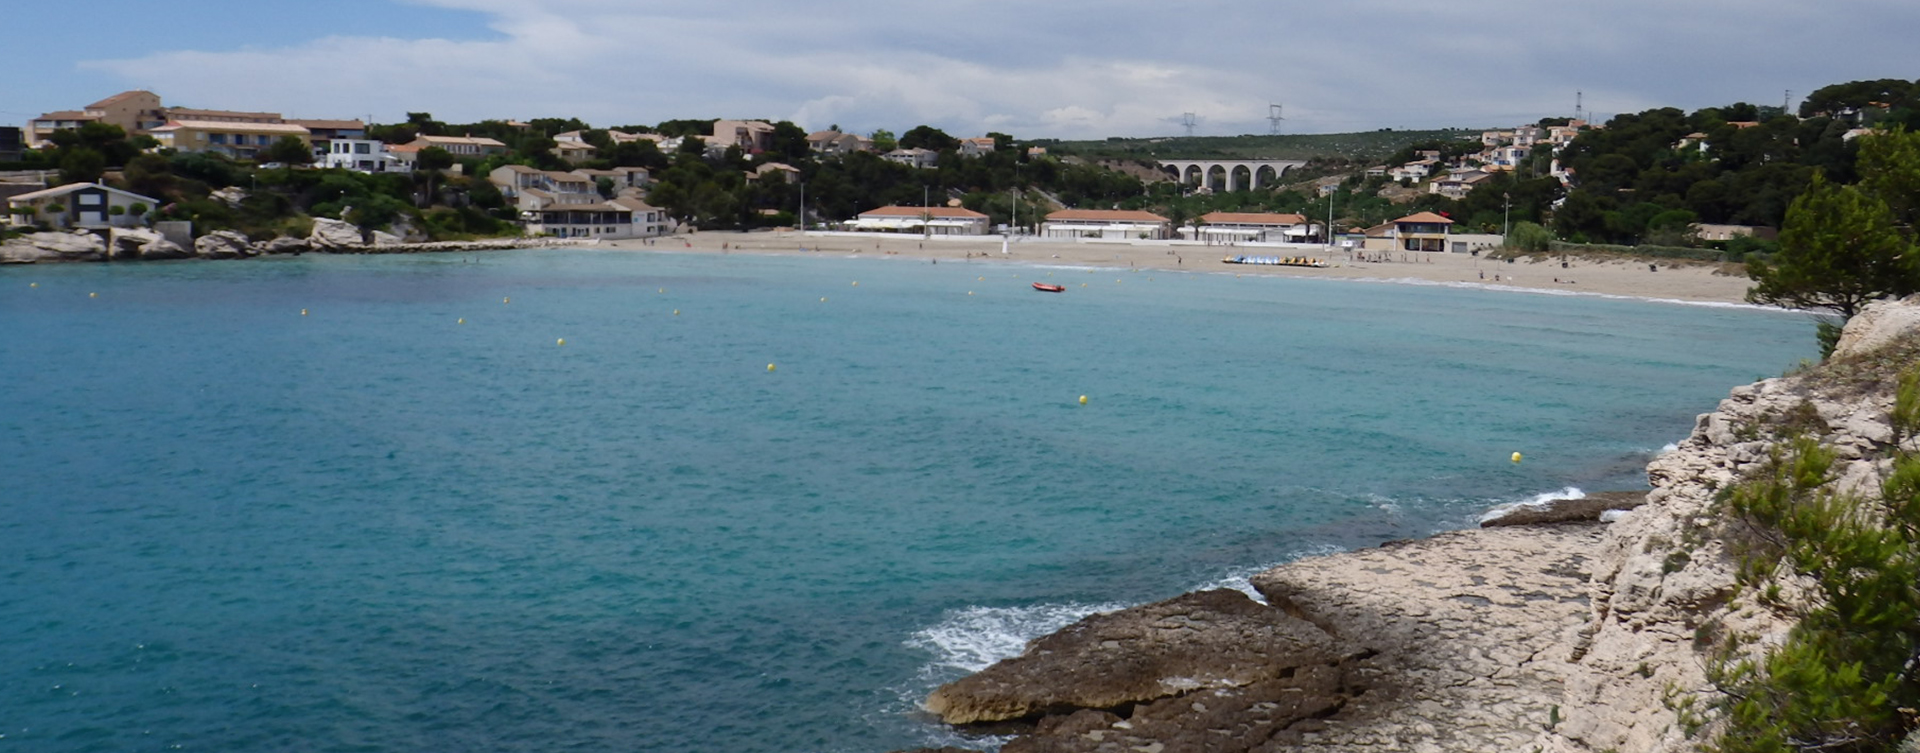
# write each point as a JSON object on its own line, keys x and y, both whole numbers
{"x": 363, "y": 155}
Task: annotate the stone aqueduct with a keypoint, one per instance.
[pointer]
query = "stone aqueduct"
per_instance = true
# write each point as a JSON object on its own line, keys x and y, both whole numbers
{"x": 1228, "y": 174}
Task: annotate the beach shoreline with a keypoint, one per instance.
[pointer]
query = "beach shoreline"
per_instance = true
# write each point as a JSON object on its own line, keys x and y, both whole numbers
{"x": 1672, "y": 280}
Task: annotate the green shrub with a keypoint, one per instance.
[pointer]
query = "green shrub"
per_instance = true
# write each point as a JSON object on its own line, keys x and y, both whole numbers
{"x": 1845, "y": 679}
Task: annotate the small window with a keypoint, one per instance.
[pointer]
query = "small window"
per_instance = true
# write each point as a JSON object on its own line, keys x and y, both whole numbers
{"x": 362, "y": 148}
{"x": 90, "y": 199}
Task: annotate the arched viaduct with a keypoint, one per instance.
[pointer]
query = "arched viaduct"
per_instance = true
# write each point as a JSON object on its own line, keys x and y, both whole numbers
{"x": 1230, "y": 174}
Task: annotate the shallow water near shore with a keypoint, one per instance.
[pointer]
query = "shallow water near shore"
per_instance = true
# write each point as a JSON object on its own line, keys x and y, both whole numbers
{"x": 231, "y": 526}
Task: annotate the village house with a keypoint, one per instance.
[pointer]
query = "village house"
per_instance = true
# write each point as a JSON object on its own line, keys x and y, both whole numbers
{"x": 1504, "y": 158}
{"x": 624, "y": 178}
{"x": 1252, "y": 227}
{"x": 752, "y": 136}
{"x": 787, "y": 173}
{"x": 531, "y": 189}
{"x": 833, "y": 143}
{"x": 976, "y": 147}
{"x": 1422, "y": 231}
{"x": 920, "y": 221}
{"x": 1413, "y": 171}
{"x": 1711, "y": 232}
{"x": 458, "y": 146}
{"x": 1108, "y": 224}
{"x": 1456, "y": 185}
{"x": 80, "y": 205}
{"x": 921, "y": 158}
{"x": 135, "y": 112}
{"x": 239, "y": 139}
{"x": 363, "y": 155}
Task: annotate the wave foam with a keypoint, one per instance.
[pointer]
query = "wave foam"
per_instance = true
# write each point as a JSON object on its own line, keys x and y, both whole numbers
{"x": 971, "y": 639}
{"x": 1535, "y": 501}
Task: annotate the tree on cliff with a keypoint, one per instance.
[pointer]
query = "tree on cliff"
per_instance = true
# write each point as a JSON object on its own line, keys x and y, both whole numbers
{"x": 1838, "y": 251}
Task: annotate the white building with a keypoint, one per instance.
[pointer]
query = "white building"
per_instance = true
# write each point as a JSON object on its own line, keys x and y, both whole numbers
{"x": 921, "y": 158}
{"x": 1109, "y": 224}
{"x": 80, "y": 205}
{"x": 1252, "y": 227}
{"x": 364, "y": 155}
{"x": 920, "y": 220}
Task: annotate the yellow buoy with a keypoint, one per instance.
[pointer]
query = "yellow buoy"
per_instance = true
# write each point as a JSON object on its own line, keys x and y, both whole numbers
{"x": 663, "y": 290}
{"x": 1083, "y": 284}
{"x": 983, "y": 278}
{"x": 676, "y": 312}
{"x": 769, "y": 367}
{"x": 462, "y": 321}
{"x": 1083, "y": 399}
{"x": 856, "y": 283}
{"x": 303, "y": 312}
{"x": 93, "y": 295}
{"x": 1516, "y": 457}
{"x": 561, "y": 341}
{"x": 969, "y": 292}
{"x": 506, "y": 300}
{"x": 33, "y": 284}
{"x": 823, "y": 299}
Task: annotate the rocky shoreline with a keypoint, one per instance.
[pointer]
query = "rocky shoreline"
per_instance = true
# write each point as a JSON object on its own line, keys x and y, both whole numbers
{"x": 328, "y": 236}
{"x": 1545, "y": 630}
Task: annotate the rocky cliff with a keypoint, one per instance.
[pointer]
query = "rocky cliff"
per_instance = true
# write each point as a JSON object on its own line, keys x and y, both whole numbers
{"x": 1574, "y": 637}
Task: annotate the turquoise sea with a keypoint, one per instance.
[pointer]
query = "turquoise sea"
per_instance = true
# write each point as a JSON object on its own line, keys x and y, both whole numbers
{"x": 229, "y": 526}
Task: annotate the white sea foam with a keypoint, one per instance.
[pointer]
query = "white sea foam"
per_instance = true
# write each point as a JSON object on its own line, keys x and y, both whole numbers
{"x": 971, "y": 639}
{"x": 1241, "y": 578}
{"x": 1533, "y": 502}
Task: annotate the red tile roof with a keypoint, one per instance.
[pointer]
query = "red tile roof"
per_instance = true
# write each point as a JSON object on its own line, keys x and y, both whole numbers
{"x": 1424, "y": 217}
{"x": 947, "y": 213}
{"x": 1104, "y": 215}
{"x": 1252, "y": 218}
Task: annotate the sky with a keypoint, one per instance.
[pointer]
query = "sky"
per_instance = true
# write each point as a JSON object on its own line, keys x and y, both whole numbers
{"x": 1070, "y": 69}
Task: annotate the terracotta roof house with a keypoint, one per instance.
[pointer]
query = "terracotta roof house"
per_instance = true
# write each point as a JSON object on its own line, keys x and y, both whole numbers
{"x": 920, "y": 220}
{"x": 238, "y": 139}
{"x": 1107, "y": 224}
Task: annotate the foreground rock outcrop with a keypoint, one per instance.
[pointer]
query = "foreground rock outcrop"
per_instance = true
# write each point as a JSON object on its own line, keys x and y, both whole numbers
{"x": 44, "y": 247}
{"x": 1163, "y": 672}
{"x": 1536, "y": 634}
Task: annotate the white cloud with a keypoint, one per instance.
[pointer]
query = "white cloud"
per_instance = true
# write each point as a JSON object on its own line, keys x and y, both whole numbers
{"x": 1066, "y": 69}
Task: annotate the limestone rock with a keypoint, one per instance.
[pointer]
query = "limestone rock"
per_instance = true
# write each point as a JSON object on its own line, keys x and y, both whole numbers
{"x": 222, "y": 244}
{"x": 1210, "y": 640}
{"x": 334, "y": 235}
{"x": 284, "y": 245}
{"x": 1562, "y": 510}
{"x": 384, "y": 238}
{"x": 161, "y": 248}
{"x": 38, "y": 247}
{"x": 1878, "y": 324}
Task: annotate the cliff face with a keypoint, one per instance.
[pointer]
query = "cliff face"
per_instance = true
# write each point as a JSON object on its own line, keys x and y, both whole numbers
{"x": 1663, "y": 587}
{"x": 1574, "y": 637}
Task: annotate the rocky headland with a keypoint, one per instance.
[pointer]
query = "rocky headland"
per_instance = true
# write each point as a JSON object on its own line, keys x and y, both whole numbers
{"x": 1546, "y": 629}
{"x": 328, "y": 236}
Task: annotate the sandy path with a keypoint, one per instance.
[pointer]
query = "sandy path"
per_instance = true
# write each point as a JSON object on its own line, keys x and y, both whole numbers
{"x": 1674, "y": 280}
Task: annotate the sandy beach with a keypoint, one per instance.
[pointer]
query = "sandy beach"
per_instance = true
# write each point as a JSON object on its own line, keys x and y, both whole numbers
{"x": 1675, "y": 279}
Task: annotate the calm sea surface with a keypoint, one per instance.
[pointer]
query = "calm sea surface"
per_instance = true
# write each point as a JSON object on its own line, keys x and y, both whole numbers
{"x": 225, "y": 526}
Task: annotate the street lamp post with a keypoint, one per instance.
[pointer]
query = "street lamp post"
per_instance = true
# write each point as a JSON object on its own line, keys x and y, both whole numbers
{"x": 1506, "y": 216}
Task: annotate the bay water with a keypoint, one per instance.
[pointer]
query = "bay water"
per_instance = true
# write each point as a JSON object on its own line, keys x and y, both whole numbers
{"x": 752, "y": 503}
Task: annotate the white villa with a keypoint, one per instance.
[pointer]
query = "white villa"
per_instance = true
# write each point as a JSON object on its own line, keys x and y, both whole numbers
{"x": 80, "y": 205}
{"x": 364, "y": 155}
